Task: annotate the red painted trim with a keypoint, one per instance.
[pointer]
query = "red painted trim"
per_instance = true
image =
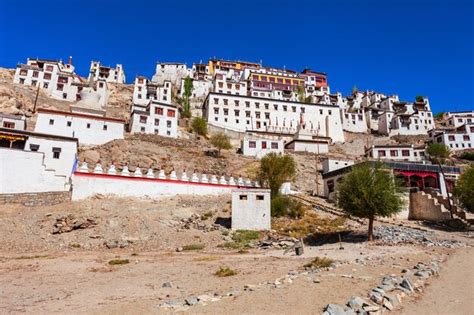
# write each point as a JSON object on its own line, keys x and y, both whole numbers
{"x": 58, "y": 112}
{"x": 146, "y": 179}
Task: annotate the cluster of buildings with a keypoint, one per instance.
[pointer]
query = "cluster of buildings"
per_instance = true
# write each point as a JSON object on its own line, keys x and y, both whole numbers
{"x": 273, "y": 109}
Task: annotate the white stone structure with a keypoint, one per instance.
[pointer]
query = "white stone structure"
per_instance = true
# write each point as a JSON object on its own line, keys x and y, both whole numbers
{"x": 398, "y": 152}
{"x": 170, "y": 71}
{"x": 12, "y": 121}
{"x": 244, "y": 113}
{"x": 305, "y": 141}
{"x": 259, "y": 147}
{"x": 111, "y": 181}
{"x": 226, "y": 83}
{"x": 330, "y": 165}
{"x": 33, "y": 162}
{"x": 145, "y": 91}
{"x": 157, "y": 118}
{"x": 102, "y": 73}
{"x": 457, "y": 119}
{"x": 251, "y": 209}
{"x": 458, "y": 138}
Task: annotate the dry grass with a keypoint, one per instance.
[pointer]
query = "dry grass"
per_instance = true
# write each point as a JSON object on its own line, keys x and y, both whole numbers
{"x": 207, "y": 258}
{"x": 319, "y": 262}
{"x": 193, "y": 247}
{"x": 225, "y": 272}
{"x": 241, "y": 239}
{"x": 309, "y": 224}
{"x": 118, "y": 262}
{"x": 33, "y": 257}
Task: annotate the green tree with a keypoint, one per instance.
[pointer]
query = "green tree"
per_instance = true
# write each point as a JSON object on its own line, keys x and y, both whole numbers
{"x": 369, "y": 191}
{"x": 220, "y": 141}
{"x": 199, "y": 126}
{"x": 419, "y": 98}
{"x": 275, "y": 169}
{"x": 464, "y": 189}
{"x": 438, "y": 152}
{"x": 438, "y": 115}
{"x": 188, "y": 89}
{"x": 355, "y": 89}
{"x": 308, "y": 99}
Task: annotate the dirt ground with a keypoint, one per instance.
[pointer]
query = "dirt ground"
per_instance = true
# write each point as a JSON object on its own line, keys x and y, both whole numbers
{"x": 41, "y": 272}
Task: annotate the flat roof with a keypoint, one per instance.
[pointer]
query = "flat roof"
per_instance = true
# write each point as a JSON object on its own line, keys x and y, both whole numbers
{"x": 17, "y": 117}
{"x": 63, "y": 113}
{"x": 37, "y": 134}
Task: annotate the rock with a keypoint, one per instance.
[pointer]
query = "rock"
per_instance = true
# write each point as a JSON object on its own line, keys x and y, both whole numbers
{"x": 167, "y": 285}
{"x": 376, "y": 297}
{"x": 379, "y": 290}
{"x": 287, "y": 281}
{"x": 422, "y": 274}
{"x": 356, "y": 303}
{"x": 371, "y": 308}
{"x": 387, "y": 287}
{"x": 334, "y": 309}
{"x": 387, "y": 305}
{"x": 191, "y": 301}
{"x": 249, "y": 287}
{"x": 204, "y": 298}
{"x": 179, "y": 249}
{"x": 316, "y": 281}
{"x": 393, "y": 299}
{"x": 174, "y": 303}
{"x": 347, "y": 276}
{"x": 91, "y": 157}
{"x": 234, "y": 293}
{"x": 407, "y": 285}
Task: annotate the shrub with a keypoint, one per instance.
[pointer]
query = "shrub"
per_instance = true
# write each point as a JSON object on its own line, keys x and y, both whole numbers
{"x": 464, "y": 189}
{"x": 319, "y": 262}
{"x": 286, "y": 206}
{"x": 199, "y": 126}
{"x": 275, "y": 169}
{"x": 119, "y": 262}
{"x": 220, "y": 141}
{"x": 225, "y": 272}
{"x": 467, "y": 156}
{"x": 242, "y": 239}
{"x": 193, "y": 247}
{"x": 419, "y": 98}
{"x": 438, "y": 152}
{"x": 438, "y": 115}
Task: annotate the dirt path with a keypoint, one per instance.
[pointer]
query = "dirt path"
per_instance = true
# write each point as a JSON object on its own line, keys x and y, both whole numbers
{"x": 452, "y": 292}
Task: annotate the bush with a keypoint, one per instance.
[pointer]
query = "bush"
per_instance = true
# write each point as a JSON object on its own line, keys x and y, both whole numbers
{"x": 193, "y": 247}
{"x": 199, "y": 126}
{"x": 225, "y": 272}
{"x": 275, "y": 169}
{"x": 286, "y": 206}
{"x": 119, "y": 262}
{"x": 438, "y": 152}
{"x": 464, "y": 189}
{"x": 467, "y": 156}
{"x": 220, "y": 141}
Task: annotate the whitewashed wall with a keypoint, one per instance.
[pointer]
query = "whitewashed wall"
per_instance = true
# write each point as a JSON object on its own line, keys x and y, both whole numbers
{"x": 25, "y": 172}
{"x": 248, "y": 211}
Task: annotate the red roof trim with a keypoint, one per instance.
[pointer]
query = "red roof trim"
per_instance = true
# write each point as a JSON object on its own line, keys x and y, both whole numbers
{"x": 168, "y": 181}
{"x": 58, "y": 112}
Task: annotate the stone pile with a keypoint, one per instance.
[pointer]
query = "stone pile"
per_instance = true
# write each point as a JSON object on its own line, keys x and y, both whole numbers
{"x": 68, "y": 223}
{"x": 402, "y": 235}
{"x": 274, "y": 241}
{"x": 195, "y": 221}
{"x": 389, "y": 294}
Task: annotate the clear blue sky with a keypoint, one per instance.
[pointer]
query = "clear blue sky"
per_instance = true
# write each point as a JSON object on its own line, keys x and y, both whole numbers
{"x": 408, "y": 47}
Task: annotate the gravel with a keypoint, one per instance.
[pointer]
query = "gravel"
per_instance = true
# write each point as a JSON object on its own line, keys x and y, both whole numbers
{"x": 403, "y": 235}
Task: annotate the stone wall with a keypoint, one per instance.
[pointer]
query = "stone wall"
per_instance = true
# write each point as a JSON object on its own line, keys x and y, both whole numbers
{"x": 36, "y": 199}
{"x": 424, "y": 207}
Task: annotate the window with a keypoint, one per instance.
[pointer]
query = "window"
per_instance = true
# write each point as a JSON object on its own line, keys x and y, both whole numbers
{"x": 243, "y": 197}
{"x": 226, "y": 112}
{"x": 59, "y": 87}
{"x": 35, "y": 74}
{"x": 23, "y": 72}
{"x": 56, "y": 153}
{"x": 156, "y": 131}
{"x": 405, "y": 152}
{"x": 320, "y": 111}
{"x": 142, "y": 129}
{"x": 264, "y": 144}
{"x": 302, "y": 110}
{"x": 266, "y": 105}
{"x": 284, "y": 108}
{"x": 168, "y": 124}
{"x": 64, "y": 95}
{"x": 257, "y": 115}
{"x": 157, "y": 122}
{"x": 382, "y": 153}
{"x": 105, "y": 127}
{"x": 8, "y": 124}
{"x": 143, "y": 119}
{"x": 51, "y": 121}
{"x": 171, "y": 113}
{"x": 393, "y": 153}
{"x": 101, "y": 84}
{"x": 465, "y": 138}
{"x": 267, "y": 115}
{"x": 236, "y": 112}
{"x": 22, "y": 81}
{"x": 252, "y": 144}
{"x": 247, "y": 114}
{"x": 158, "y": 110}
{"x": 225, "y": 101}
{"x": 49, "y": 68}
{"x": 216, "y": 101}
{"x": 236, "y": 102}
{"x": 69, "y": 123}
{"x": 451, "y": 138}
{"x": 34, "y": 147}
{"x": 88, "y": 126}
{"x": 45, "y": 85}
{"x": 329, "y": 112}
{"x": 274, "y": 145}
{"x": 293, "y": 109}
{"x": 260, "y": 197}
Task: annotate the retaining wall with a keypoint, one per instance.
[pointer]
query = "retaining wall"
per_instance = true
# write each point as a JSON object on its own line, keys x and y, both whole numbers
{"x": 36, "y": 199}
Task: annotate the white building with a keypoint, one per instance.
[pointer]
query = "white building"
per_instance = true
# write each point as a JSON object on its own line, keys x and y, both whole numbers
{"x": 86, "y": 121}
{"x": 12, "y": 121}
{"x": 459, "y": 138}
{"x": 456, "y": 119}
{"x": 156, "y": 118}
{"x": 251, "y": 209}
{"x": 33, "y": 162}
{"x": 245, "y": 113}
{"x": 102, "y": 73}
{"x": 259, "y": 147}
{"x": 170, "y": 71}
{"x": 305, "y": 141}
{"x": 330, "y": 165}
{"x": 145, "y": 91}
{"x": 398, "y": 152}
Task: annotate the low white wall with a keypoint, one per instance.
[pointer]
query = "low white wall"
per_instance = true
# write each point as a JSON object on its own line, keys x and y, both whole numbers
{"x": 251, "y": 209}
{"x": 86, "y": 185}
{"x": 25, "y": 172}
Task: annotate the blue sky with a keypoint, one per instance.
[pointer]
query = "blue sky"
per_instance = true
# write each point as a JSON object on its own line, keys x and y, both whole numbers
{"x": 407, "y": 47}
